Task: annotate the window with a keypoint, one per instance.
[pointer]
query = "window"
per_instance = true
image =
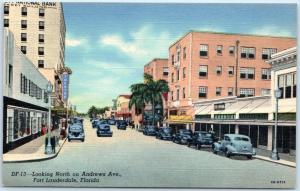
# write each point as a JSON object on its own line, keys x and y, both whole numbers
{"x": 183, "y": 73}
{"x": 6, "y": 10}
{"x": 178, "y": 53}
{"x": 24, "y": 37}
{"x": 184, "y": 53}
{"x": 172, "y": 96}
{"x": 294, "y": 85}
{"x": 41, "y": 63}
{"x": 21, "y": 83}
{"x": 6, "y": 22}
{"x": 172, "y": 77}
{"x": 23, "y": 49}
{"x": 231, "y": 50}
{"x": 41, "y": 51}
{"x": 265, "y": 92}
{"x": 230, "y": 91}
{"x": 265, "y": 74}
{"x": 267, "y": 52}
{"x": 203, "y": 71}
{"x": 263, "y": 135}
{"x": 173, "y": 59}
{"x": 165, "y": 71}
{"x": 41, "y": 25}
{"x": 218, "y": 91}
{"x": 219, "y": 49}
{"x": 177, "y": 94}
{"x": 246, "y": 92}
{"x": 24, "y": 11}
{"x": 219, "y": 70}
{"x": 41, "y": 12}
{"x": 202, "y": 92}
{"x": 183, "y": 93}
{"x": 288, "y": 85}
{"x": 230, "y": 70}
{"x": 178, "y": 71}
{"x": 41, "y": 38}
{"x": 24, "y": 24}
{"x": 46, "y": 100}
{"x": 281, "y": 85}
{"x": 247, "y": 52}
{"x": 203, "y": 50}
{"x": 247, "y": 73}
{"x": 219, "y": 106}
{"x": 10, "y": 75}
{"x": 26, "y": 85}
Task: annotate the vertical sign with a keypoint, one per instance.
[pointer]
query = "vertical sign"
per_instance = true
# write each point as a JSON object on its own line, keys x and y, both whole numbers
{"x": 65, "y": 89}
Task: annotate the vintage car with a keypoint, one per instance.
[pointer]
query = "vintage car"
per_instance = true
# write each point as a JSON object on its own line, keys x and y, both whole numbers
{"x": 149, "y": 130}
{"x": 234, "y": 144}
{"x": 111, "y": 122}
{"x": 201, "y": 138}
{"x": 101, "y": 123}
{"x": 182, "y": 136}
{"x": 76, "y": 132}
{"x": 164, "y": 133}
{"x": 104, "y": 131}
{"x": 122, "y": 124}
{"x": 94, "y": 123}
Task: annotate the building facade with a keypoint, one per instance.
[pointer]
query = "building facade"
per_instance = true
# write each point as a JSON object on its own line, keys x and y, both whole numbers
{"x": 157, "y": 68}
{"x": 123, "y": 111}
{"x": 206, "y": 65}
{"x": 25, "y": 101}
{"x": 39, "y": 30}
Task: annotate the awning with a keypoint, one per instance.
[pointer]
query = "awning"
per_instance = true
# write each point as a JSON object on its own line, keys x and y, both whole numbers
{"x": 265, "y": 107}
{"x": 287, "y": 108}
{"x": 204, "y": 110}
{"x": 254, "y": 105}
{"x": 235, "y": 107}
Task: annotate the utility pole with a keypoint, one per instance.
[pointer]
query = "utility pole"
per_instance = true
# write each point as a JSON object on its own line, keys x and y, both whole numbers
{"x": 236, "y": 66}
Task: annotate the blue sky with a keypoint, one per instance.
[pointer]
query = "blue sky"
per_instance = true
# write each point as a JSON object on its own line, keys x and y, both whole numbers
{"x": 108, "y": 44}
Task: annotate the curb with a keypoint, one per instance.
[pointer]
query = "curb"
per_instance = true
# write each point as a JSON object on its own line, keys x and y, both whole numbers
{"x": 276, "y": 162}
{"x": 39, "y": 159}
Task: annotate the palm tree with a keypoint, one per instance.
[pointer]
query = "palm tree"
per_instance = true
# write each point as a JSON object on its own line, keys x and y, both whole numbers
{"x": 148, "y": 92}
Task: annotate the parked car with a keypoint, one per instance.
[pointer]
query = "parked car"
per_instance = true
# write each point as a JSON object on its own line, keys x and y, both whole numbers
{"x": 164, "y": 133}
{"x": 149, "y": 130}
{"x": 182, "y": 136}
{"x": 201, "y": 138}
{"x": 234, "y": 144}
{"x": 76, "y": 132}
{"x": 94, "y": 123}
{"x": 122, "y": 124}
{"x": 111, "y": 122}
{"x": 101, "y": 122}
{"x": 104, "y": 131}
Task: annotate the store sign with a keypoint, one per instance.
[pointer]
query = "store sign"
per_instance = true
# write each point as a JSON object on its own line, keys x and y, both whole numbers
{"x": 181, "y": 117}
{"x": 33, "y": 4}
{"x": 65, "y": 88}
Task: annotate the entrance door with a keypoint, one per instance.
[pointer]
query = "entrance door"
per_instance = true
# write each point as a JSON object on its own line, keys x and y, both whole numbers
{"x": 253, "y": 135}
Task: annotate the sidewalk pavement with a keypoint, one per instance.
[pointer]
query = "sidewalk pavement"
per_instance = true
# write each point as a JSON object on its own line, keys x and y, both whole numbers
{"x": 32, "y": 151}
{"x": 281, "y": 161}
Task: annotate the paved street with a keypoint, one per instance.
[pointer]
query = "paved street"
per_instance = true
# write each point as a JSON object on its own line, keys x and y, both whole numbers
{"x": 142, "y": 161}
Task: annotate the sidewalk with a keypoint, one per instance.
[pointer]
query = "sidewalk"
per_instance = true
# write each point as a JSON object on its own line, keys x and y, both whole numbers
{"x": 32, "y": 151}
{"x": 281, "y": 161}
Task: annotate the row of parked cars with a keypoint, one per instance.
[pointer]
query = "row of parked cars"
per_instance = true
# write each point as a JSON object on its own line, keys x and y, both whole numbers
{"x": 231, "y": 144}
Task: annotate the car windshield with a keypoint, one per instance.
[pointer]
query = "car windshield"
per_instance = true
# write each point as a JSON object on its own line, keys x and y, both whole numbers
{"x": 206, "y": 134}
{"x": 187, "y": 133}
{"x": 122, "y": 122}
{"x": 167, "y": 130}
{"x": 102, "y": 122}
{"x": 241, "y": 139}
{"x": 76, "y": 128}
{"x": 104, "y": 128}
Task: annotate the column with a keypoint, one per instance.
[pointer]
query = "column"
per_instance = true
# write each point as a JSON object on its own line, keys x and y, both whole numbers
{"x": 270, "y": 137}
{"x": 236, "y": 130}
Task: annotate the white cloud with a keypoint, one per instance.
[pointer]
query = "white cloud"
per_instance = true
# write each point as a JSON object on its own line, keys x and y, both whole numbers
{"x": 272, "y": 31}
{"x": 72, "y": 41}
{"x": 142, "y": 45}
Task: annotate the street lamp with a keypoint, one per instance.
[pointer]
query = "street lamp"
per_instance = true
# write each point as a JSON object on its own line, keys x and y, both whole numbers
{"x": 275, "y": 155}
{"x": 48, "y": 149}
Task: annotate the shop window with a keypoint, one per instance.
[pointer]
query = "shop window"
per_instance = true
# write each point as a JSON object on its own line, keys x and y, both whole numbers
{"x": 231, "y": 50}
{"x": 247, "y": 73}
{"x": 218, "y": 91}
{"x": 6, "y": 10}
{"x": 24, "y": 24}
{"x": 263, "y": 135}
{"x": 6, "y": 22}
{"x": 202, "y": 92}
{"x": 267, "y": 52}
{"x": 23, "y": 37}
{"x": 266, "y": 74}
{"x": 41, "y": 25}
{"x": 203, "y": 71}
{"x": 41, "y": 12}
{"x": 203, "y": 50}
{"x": 248, "y": 52}
{"x": 24, "y": 11}
{"x": 219, "y": 70}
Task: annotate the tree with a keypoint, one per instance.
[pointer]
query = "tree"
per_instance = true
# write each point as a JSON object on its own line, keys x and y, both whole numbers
{"x": 92, "y": 112}
{"x": 148, "y": 92}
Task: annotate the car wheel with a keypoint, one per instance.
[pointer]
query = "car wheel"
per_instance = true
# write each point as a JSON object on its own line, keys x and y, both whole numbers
{"x": 198, "y": 146}
{"x": 227, "y": 153}
{"x": 69, "y": 140}
{"x": 82, "y": 140}
{"x": 249, "y": 157}
{"x": 188, "y": 144}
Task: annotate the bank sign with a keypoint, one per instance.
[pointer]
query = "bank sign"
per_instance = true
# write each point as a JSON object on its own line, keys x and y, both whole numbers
{"x": 65, "y": 88}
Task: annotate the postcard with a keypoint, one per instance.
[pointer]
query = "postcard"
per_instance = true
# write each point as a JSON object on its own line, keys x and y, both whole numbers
{"x": 149, "y": 95}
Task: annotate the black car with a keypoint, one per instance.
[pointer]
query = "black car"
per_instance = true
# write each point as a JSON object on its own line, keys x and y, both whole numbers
{"x": 149, "y": 130}
{"x": 182, "y": 136}
{"x": 122, "y": 124}
{"x": 94, "y": 123}
{"x": 164, "y": 133}
{"x": 104, "y": 131}
{"x": 76, "y": 132}
{"x": 111, "y": 122}
{"x": 101, "y": 122}
{"x": 200, "y": 138}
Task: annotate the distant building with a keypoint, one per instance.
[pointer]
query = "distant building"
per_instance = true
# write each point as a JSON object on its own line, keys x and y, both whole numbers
{"x": 123, "y": 111}
{"x": 208, "y": 65}
{"x": 158, "y": 69}
{"x": 25, "y": 101}
{"x": 39, "y": 30}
